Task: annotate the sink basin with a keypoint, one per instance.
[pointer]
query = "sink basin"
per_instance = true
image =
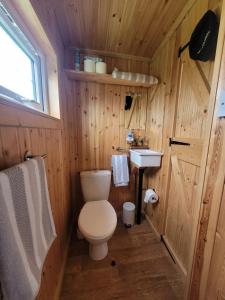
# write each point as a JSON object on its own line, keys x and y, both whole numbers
{"x": 145, "y": 158}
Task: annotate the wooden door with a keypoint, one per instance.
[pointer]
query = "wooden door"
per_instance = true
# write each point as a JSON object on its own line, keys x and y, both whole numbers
{"x": 216, "y": 279}
{"x": 186, "y": 176}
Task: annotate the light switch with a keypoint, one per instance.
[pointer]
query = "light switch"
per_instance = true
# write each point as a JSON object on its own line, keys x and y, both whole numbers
{"x": 221, "y": 108}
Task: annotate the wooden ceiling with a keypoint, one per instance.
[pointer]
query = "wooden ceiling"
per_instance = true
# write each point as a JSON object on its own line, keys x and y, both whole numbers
{"x": 134, "y": 27}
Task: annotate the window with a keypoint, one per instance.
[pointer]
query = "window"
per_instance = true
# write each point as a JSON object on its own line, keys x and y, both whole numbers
{"x": 21, "y": 65}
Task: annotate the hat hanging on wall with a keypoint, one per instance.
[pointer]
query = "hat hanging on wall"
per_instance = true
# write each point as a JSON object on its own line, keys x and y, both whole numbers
{"x": 202, "y": 45}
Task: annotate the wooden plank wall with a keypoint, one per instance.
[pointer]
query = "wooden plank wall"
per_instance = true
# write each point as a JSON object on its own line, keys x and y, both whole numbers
{"x": 22, "y": 129}
{"x": 215, "y": 285}
{"x": 175, "y": 103}
{"x": 97, "y": 123}
{"x": 94, "y": 126}
{"x": 41, "y": 135}
{"x": 162, "y": 108}
{"x": 108, "y": 101}
{"x": 124, "y": 63}
{"x": 161, "y": 112}
{"x": 69, "y": 181}
{"x": 208, "y": 271}
{"x": 160, "y": 119}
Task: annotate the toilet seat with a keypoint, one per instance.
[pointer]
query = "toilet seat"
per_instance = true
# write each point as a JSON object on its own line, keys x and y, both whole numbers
{"x": 97, "y": 219}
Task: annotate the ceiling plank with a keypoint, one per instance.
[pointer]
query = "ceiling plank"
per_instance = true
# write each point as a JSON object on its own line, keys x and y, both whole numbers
{"x": 134, "y": 27}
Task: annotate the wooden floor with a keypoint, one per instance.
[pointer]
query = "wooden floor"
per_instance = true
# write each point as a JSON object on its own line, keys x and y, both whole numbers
{"x": 143, "y": 270}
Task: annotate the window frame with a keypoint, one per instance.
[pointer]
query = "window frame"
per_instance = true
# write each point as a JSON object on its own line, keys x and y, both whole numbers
{"x": 28, "y": 46}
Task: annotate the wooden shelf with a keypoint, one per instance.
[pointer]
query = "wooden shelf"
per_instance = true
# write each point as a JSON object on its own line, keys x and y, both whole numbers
{"x": 102, "y": 78}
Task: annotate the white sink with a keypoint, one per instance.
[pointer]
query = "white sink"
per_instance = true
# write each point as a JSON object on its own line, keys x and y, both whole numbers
{"x": 145, "y": 157}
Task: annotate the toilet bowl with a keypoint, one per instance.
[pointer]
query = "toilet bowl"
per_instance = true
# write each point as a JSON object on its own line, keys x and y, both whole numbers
{"x": 97, "y": 222}
{"x": 97, "y": 219}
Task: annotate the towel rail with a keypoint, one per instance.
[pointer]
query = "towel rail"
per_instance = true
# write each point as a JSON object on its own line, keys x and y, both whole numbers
{"x": 28, "y": 155}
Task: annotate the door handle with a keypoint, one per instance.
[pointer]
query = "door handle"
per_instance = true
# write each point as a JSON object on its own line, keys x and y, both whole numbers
{"x": 174, "y": 142}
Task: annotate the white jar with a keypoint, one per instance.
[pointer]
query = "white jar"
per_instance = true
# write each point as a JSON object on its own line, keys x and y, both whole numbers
{"x": 89, "y": 65}
{"x": 101, "y": 67}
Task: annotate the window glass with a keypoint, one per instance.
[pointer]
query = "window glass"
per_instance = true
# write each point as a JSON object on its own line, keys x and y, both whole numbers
{"x": 21, "y": 65}
{"x": 16, "y": 68}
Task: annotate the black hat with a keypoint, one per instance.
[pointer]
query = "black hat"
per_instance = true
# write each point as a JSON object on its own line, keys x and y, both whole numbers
{"x": 204, "y": 38}
{"x": 202, "y": 45}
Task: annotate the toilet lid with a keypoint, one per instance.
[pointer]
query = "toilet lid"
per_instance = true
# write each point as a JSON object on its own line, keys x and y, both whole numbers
{"x": 97, "y": 219}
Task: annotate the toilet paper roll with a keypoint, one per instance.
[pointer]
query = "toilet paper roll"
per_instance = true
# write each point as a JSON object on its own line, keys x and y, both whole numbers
{"x": 151, "y": 196}
{"x": 89, "y": 65}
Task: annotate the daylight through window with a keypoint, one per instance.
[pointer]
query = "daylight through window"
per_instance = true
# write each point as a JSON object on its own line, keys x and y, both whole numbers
{"x": 20, "y": 64}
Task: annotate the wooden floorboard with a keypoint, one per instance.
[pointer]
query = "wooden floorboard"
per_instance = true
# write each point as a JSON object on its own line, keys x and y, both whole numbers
{"x": 144, "y": 270}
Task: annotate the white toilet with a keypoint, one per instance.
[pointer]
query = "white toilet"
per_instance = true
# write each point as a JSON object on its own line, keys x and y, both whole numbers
{"x": 97, "y": 220}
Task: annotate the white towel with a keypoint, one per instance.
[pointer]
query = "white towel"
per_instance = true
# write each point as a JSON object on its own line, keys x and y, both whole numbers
{"x": 27, "y": 229}
{"x": 120, "y": 170}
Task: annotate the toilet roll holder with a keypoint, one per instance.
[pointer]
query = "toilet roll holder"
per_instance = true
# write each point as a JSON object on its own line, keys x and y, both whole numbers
{"x": 141, "y": 171}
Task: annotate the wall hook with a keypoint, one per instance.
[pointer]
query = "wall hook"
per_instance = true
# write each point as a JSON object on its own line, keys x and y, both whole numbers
{"x": 181, "y": 49}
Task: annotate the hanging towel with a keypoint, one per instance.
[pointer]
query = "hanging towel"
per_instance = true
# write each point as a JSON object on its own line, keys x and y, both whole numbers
{"x": 120, "y": 170}
{"x": 27, "y": 228}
